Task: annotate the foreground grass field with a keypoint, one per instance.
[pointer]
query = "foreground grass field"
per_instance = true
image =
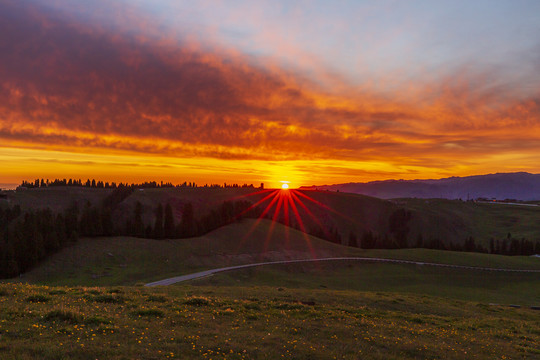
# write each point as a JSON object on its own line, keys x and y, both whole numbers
{"x": 194, "y": 322}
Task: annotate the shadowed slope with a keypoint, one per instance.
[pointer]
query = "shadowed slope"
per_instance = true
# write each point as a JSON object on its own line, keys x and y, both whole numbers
{"x": 126, "y": 260}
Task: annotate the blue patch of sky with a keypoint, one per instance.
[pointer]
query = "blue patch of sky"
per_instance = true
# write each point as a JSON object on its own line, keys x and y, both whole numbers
{"x": 360, "y": 39}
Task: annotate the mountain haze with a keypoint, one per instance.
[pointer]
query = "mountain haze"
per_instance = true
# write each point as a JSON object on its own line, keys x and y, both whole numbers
{"x": 520, "y": 186}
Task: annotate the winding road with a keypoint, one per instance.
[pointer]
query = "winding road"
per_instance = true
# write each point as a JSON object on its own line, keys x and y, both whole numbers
{"x": 197, "y": 275}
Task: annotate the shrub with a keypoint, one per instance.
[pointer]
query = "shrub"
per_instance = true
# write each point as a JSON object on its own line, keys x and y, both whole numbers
{"x": 108, "y": 299}
{"x": 57, "y": 292}
{"x": 96, "y": 320}
{"x": 252, "y": 317}
{"x": 252, "y": 306}
{"x": 37, "y": 298}
{"x": 149, "y": 313}
{"x": 289, "y": 306}
{"x": 157, "y": 298}
{"x": 63, "y": 316}
{"x": 197, "y": 301}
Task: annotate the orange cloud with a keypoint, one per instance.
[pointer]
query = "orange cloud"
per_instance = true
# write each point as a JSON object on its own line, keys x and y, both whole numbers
{"x": 70, "y": 86}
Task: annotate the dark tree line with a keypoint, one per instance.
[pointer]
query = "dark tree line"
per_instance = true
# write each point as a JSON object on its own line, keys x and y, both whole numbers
{"x": 42, "y": 183}
{"x": 328, "y": 233}
{"x": 398, "y": 239}
{"x": 166, "y": 227}
{"x": 512, "y": 246}
{"x": 26, "y": 238}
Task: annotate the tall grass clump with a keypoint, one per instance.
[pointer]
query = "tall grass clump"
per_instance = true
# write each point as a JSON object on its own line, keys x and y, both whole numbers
{"x": 63, "y": 316}
{"x": 197, "y": 301}
{"x": 37, "y": 298}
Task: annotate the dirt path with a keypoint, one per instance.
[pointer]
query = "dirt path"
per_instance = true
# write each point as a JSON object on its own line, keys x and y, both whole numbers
{"x": 201, "y": 274}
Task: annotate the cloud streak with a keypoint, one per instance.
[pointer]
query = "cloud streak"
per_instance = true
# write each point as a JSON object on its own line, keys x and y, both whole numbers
{"x": 76, "y": 85}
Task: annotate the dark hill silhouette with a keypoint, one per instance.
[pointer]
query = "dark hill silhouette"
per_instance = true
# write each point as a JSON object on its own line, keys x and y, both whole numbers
{"x": 520, "y": 186}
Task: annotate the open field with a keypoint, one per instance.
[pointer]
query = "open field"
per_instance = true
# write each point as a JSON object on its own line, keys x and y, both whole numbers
{"x": 455, "y": 220}
{"x": 462, "y": 284}
{"x": 193, "y": 322}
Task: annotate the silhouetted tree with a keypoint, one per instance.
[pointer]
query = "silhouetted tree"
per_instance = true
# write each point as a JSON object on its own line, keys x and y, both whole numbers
{"x": 469, "y": 245}
{"x": 187, "y": 223}
{"x": 368, "y": 240}
{"x": 158, "y": 225}
{"x": 71, "y": 216}
{"x": 168, "y": 225}
{"x": 398, "y": 225}
{"x": 138, "y": 226}
{"x": 352, "y": 239}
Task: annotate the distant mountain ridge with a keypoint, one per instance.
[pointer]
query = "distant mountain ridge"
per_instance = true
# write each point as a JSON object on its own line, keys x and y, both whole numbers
{"x": 519, "y": 186}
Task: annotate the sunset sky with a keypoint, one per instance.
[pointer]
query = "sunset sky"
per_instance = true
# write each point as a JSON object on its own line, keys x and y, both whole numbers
{"x": 311, "y": 92}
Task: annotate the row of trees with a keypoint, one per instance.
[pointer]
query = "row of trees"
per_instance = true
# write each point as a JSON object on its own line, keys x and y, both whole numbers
{"x": 26, "y": 238}
{"x": 512, "y": 246}
{"x": 507, "y": 246}
{"x": 42, "y": 183}
{"x": 166, "y": 227}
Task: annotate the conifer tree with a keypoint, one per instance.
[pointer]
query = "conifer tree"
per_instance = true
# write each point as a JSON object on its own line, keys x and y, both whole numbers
{"x": 158, "y": 225}
{"x": 168, "y": 226}
{"x": 138, "y": 226}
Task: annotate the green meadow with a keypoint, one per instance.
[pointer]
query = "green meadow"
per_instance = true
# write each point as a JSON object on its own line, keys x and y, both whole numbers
{"x": 256, "y": 322}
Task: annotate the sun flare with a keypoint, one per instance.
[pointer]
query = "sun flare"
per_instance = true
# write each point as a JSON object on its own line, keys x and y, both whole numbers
{"x": 284, "y": 186}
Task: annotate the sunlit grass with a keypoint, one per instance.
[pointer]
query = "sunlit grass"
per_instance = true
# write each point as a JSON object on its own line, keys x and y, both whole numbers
{"x": 187, "y": 322}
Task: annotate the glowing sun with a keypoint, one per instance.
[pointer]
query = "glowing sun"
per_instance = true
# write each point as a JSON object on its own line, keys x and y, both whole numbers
{"x": 284, "y": 186}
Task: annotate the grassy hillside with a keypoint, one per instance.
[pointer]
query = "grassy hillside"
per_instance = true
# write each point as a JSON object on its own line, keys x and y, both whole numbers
{"x": 125, "y": 260}
{"x": 57, "y": 198}
{"x": 186, "y": 322}
{"x": 128, "y": 261}
{"x": 447, "y": 220}
{"x": 455, "y": 220}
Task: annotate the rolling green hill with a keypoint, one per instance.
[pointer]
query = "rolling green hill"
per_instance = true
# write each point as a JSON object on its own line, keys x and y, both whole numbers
{"x": 57, "y": 198}
{"x": 456, "y": 220}
{"x": 127, "y": 260}
{"x": 450, "y": 221}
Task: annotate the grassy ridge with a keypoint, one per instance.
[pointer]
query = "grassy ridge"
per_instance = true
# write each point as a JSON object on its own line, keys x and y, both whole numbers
{"x": 187, "y": 322}
{"x": 455, "y": 220}
{"x": 57, "y": 198}
{"x": 126, "y": 261}
{"x": 447, "y": 220}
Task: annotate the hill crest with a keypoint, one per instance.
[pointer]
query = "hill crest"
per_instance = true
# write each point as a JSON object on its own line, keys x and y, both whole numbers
{"x": 521, "y": 186}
